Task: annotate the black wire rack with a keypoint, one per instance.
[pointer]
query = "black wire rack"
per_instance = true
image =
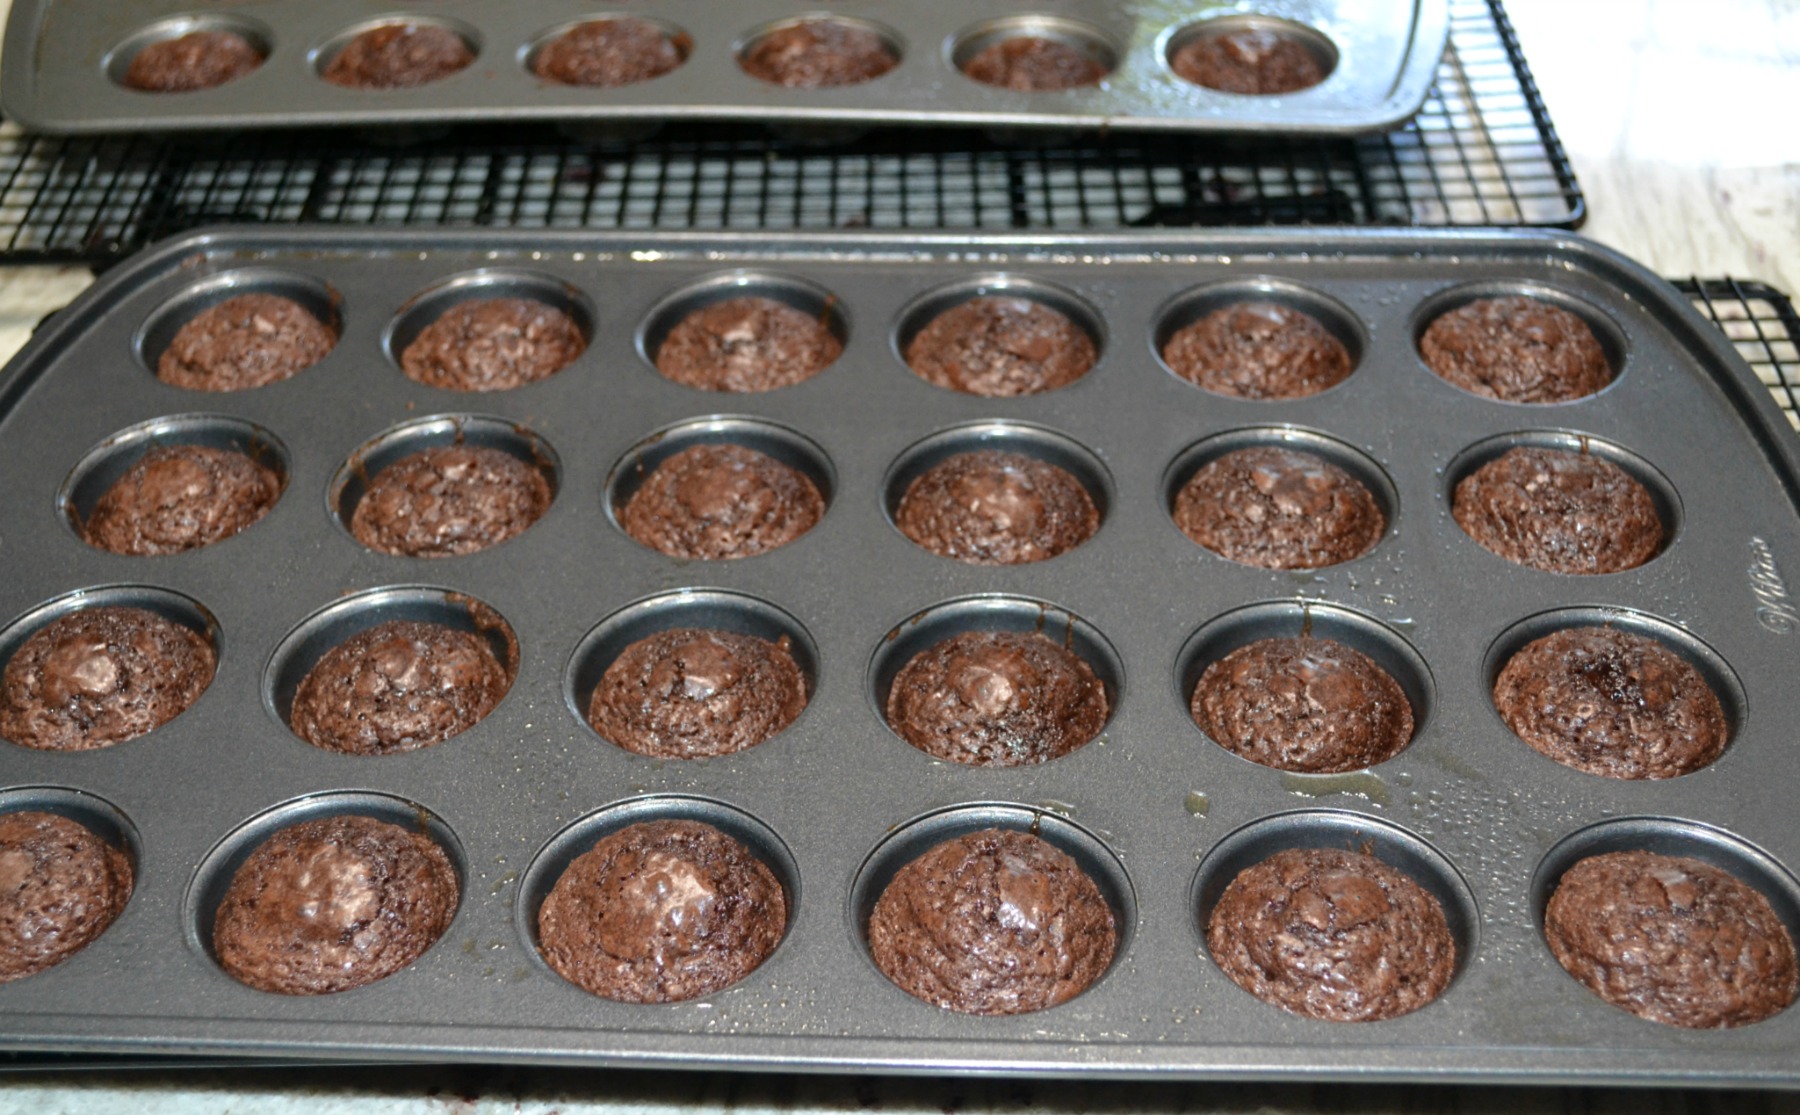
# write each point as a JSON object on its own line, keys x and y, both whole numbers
{"x": 1481, "y": 152}
{"x": 1761, "y": 324}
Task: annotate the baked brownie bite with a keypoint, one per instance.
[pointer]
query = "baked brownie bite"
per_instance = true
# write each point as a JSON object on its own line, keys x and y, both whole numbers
{"x": 747, "y": 344}
{"x": 997, "y": 698}
{"x": 493, "y": 344}
{"x": 449, "y": 499}
{"x": 1001, "y": 346}
{"x": 1258, "y": 350}
{"x": 1279, "y": 508}
{"x": 246, "y": 341}
{"x": 818, "y": 54}
{"x": 196, "y": 60}
{"x": 721, "y": 501}
{"x": 398, "y": 686}
{"x": 1611, "y": 702}
{"x": 995, "y": 922}
{"x": 1332, "y": 934}
{"x": 101, "y": 676}
{"x": 608, "y": 53}
{"x": 1559, "y": 511}
{"x": 1517, "y": 350}
{"x": 399, "y": 56}
{"x": 1253, "y": 61}
{"x": 180, "y": 497}
{"x": 990, "y": 507}
{"x": 689, "y": 693}
{"x": 1303, "y": 704}
{"x": 1033, "y": 64}
{"x": 660, "y": 912}
{"x": 1671, "y": 939}
{"x": 334, "y": 903}
{"x": 61, "y": 886}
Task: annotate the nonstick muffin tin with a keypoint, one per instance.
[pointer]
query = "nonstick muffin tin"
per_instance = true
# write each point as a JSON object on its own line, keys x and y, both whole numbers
{"x": 65, "y": 60}
{"x": 1160, "y": 816}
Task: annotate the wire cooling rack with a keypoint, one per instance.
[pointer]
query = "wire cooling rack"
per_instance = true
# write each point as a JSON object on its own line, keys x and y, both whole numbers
{"x": 1761, "y": 324}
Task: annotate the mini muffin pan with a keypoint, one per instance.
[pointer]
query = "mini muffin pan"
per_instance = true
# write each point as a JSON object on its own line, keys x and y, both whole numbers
{"x": 66, "y": 61}
{"x": 1160, "y": 815}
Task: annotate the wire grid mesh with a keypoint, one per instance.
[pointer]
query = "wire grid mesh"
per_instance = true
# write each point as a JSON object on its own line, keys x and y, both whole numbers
{"x": 1481, "y": 152}
{"x": 1761, "y": 324}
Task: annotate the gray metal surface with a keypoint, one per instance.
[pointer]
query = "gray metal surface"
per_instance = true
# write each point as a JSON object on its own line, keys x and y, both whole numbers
{"x": 1152, "y": 808}
{"x": 62, "y": 58}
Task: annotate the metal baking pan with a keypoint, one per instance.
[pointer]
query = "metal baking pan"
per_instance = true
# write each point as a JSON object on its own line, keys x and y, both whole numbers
{"x": 64, "y": 59}
{"x": 1153, "y": 809}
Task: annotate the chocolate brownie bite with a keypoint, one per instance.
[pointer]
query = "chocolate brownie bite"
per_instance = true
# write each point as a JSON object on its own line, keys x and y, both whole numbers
{"x": 1033, "y": 64}
{"x": 1279, "y": 508}
{"x": 1671, "y": 939}
{"x": 1001, "y": 346}
{"x": 449, "y": 499}
{"x": 399, "y": 56}
{"x": 994, "y": 922}
{"x": 997, "y": 698}
{"x": 1517, "y": 350}
{"x": 180, "y": 497}
{"x": 398, "y": 686}
{"x": 608, "y": 53}
{"x": 250, "y": 340}
{"x": 1303, "y": 704}
{"x": 1332, "y": 934}
{"x": 721, "y": 501}
{"x": 1253, "y": 61}
{"x": 688, "y": 693}
{"x": 1258, "y": 350}
{"x": 334, "y": 903}
{"x": 990, "y": 507}
{"x": 493, "y": 344}
{"x": 61, "y": 886}
{"x": 818, "y": 54}
{"x": 1611, "y": 702}
{"x": 196, "y": 60}
{"x": 1559, "y": 511}
{"x": 101, "y": 676}
{"x": 747, "y": 344}
{"x": 660, "y": 912}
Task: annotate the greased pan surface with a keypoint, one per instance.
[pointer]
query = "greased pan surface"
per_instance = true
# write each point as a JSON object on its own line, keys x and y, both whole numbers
{"x": 65, "y": 59}
{"x": 1153, "y": 810}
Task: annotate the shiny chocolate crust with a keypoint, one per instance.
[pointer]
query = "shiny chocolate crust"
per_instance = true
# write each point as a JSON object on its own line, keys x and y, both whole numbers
{"x": 61, "y": 886}
{"x": 399, "y": 56}
{"x": 1559, "y": 511}
{"x": 449, "y": 499}
{"x": 747, "y": 344}
{"x": 397, "y": 686}
{"x": 250, "y": 340}
{"x": 1517, "y": 350}
{"x": 1279, "y": 509}
{"x": 1251, "y": 61}
{"x": 180, "y": 497}
{"x": 1001, "y": 346}
{"x": 1258, "y": 350}
{"x": 687, "y": 693}
{"x": 608, "y": 53}
{"x": 493, "y": 344}
{"x": 721, "y": 501}
{"x": 990, "y": 507}
{"x": 196, "y": 60}
{"x": 1032, "y": 64}
{"x": 817, "y": 54}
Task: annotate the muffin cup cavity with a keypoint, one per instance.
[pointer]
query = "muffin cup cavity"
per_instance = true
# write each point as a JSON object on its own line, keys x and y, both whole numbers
{"x": 920, "y": 312}
{"x": 1605, "y": 329}
{"x": 1023, "y": 438}
{"x": 117, "y": 61}
{"x": 172, "y": 606}
{"x": 96, "y": 814}
{"x": 323, "y": 54}
{"x": 430, "y": 304}
{"x": 790, "y": 447}
{"x": 1353, "y": 461}
{"x": 1090, "y": 41}
{"x": 808, "y": 297}
{"x": 1193, "y": 304}
{"x": 889, "y": 40}
{"x": 1324, "y": 52}
{"x": 318, "y": 633}
{"x": 313, "y": 295}
{"x": 703, "y": 608}
{"x": 677, "y": 38}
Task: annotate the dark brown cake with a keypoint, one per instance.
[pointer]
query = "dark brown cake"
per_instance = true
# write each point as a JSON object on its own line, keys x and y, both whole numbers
{"x": 1252, "y": 61}
{"x": 688, "y": 693}
{"x": 181, "y": 497}
{"x": 1671, "y": 939}
{"x": 399, "y": 56}
{"x": 997, "y": 699}
{"x": 334, "y": 903}
{"x": 660, "y": 912}
{"x": 1303, "y": 704}
{"x": 398, "y": 686}
{"x": 60, "y": 887}
{"x": 1258, "y": 350}
{"x": 1611, "y": 702}
{"x": 1332, "y": 934}
{"x": 1279, "y": 508}
{"x": 817, "y": 54}
{"x": 608, "y": 53}
{"x": 101, "y": 676}
{"x": 1559, "y": 511}
{"x": 1031, "y": 64}
{"x": 1517, "y": 350}
{"x": 196, "y": 60}
{"x": 493, "y": 344}
{"x": 995, "y": 922}
{"x": 247, "y": 341}
{"x": 990, "y": 507}
{"x": 449, "y": 499}
{"x": 1001, "y": 346}
{"x": 718, "y": 501}
{"x": 747, "y": 344}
